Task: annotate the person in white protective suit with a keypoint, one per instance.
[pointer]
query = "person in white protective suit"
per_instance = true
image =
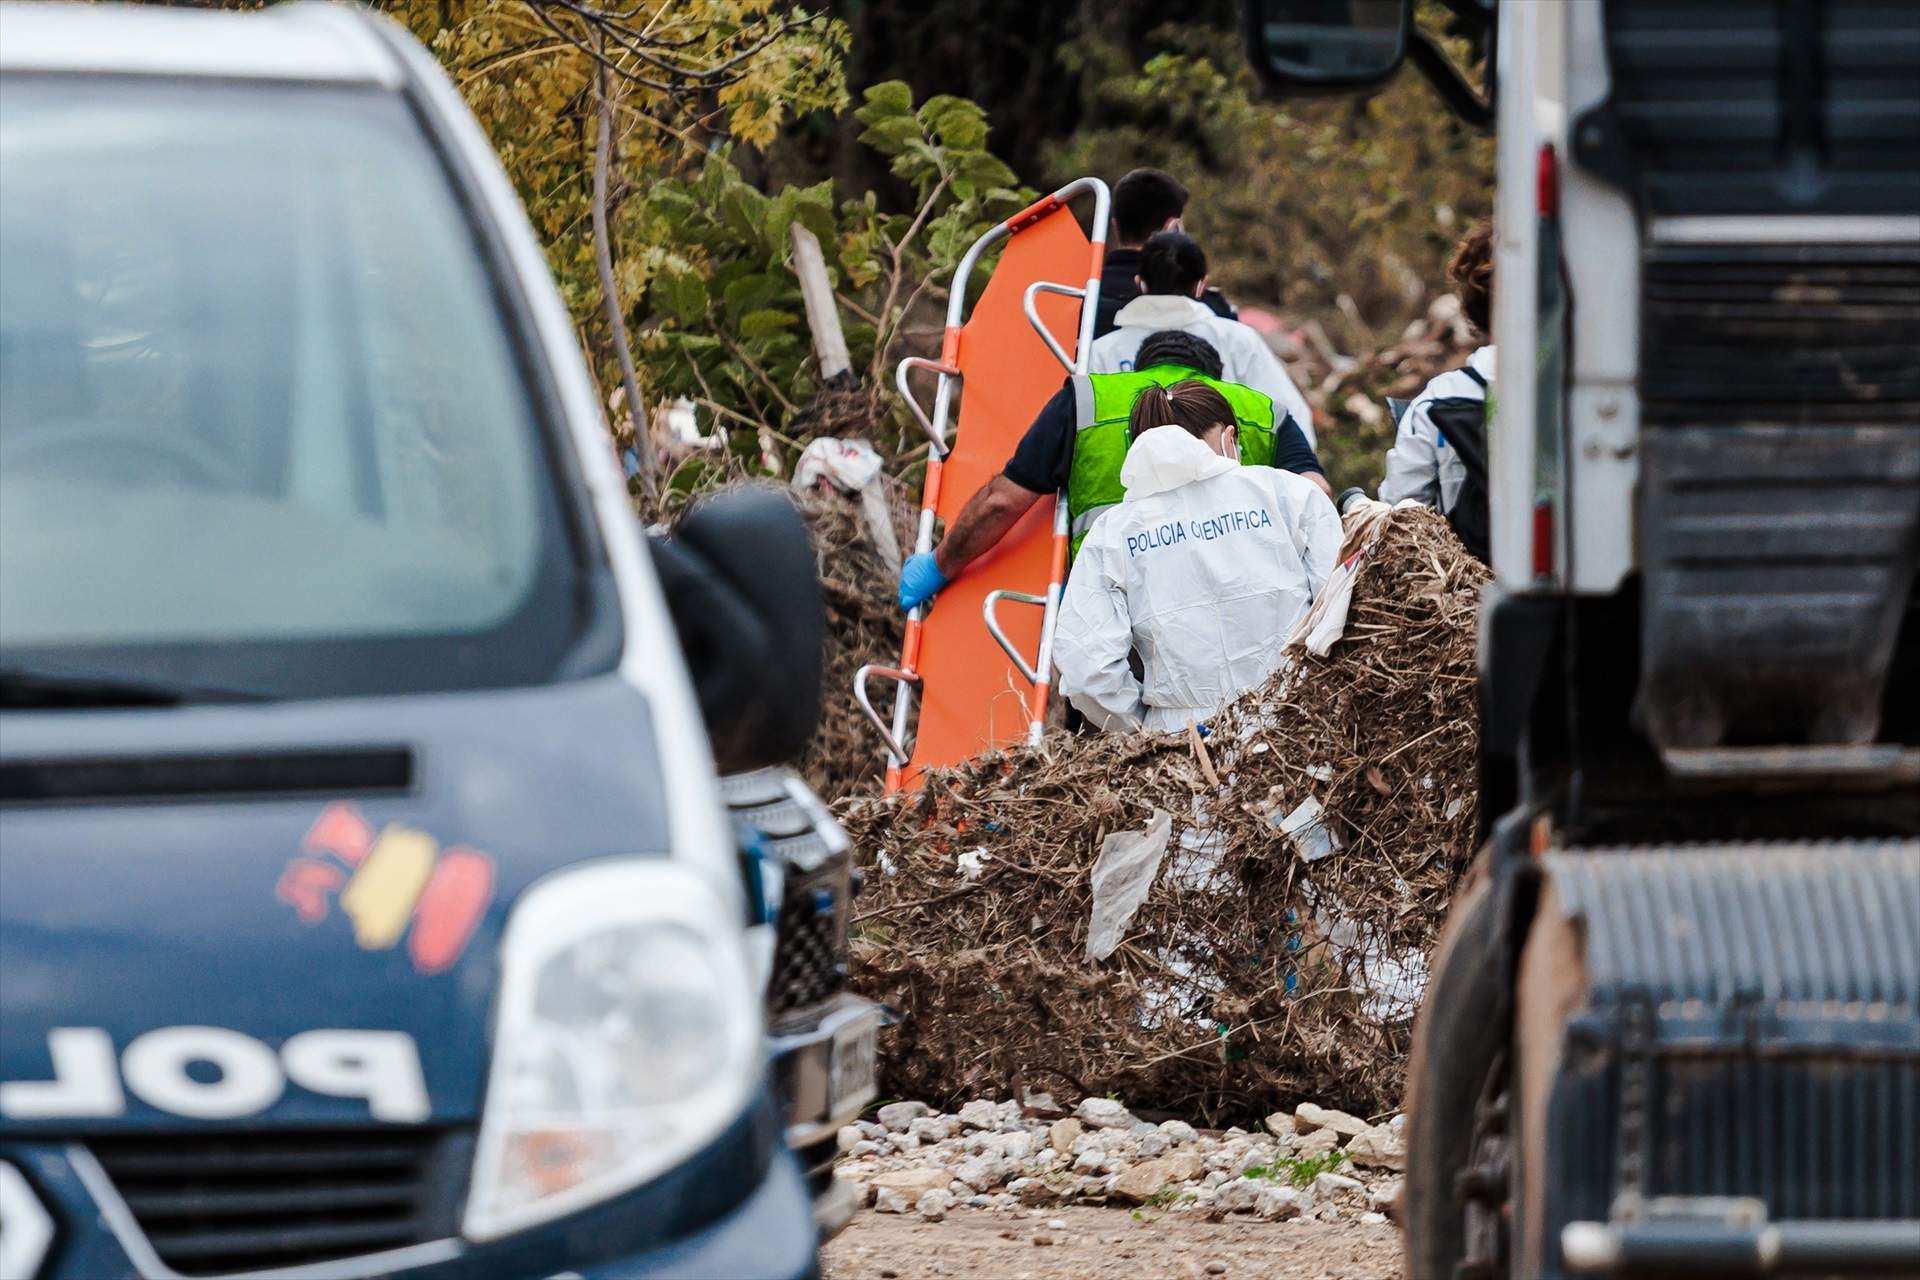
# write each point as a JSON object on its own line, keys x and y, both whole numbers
{"x": 1173, "y": 274}
{"x": 1202, "y": 571}
{"x": 1439, "y": 455}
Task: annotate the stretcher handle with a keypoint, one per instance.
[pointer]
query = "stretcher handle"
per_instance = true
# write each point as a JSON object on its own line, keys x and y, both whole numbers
{"x": 906, "y": 393}
{"x": 1000, "y": 637}
{"x": 860, "y": 678}
{"x": 1033, "y": 317}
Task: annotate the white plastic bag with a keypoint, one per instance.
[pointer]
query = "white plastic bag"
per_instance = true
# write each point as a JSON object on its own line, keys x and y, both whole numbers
{"x": 1323, "y": 624}
{"x": 1122, "y": 875}
{"x": 852, "y": 467}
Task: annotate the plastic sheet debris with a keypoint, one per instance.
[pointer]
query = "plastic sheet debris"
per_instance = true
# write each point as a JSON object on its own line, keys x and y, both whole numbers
{"x": 1186, "y": 993}
{"x": 1390, "y": 980}
{"x": 1122, "y": 875}
{"x": 972, "y": 864}
{"x": 1197, "y": 868}
{"x": 1326, "y": 622}
{"x": 1307, "y": 830}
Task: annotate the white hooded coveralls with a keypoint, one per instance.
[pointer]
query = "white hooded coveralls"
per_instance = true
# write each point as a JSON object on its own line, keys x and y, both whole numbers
{"x": 1245, "y": 357}
{"x": 1203, "y": 571}
{"x": 1420, "y": 465}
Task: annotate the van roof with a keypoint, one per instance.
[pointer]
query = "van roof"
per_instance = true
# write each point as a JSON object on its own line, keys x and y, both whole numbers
{"x": 310, "y": 42}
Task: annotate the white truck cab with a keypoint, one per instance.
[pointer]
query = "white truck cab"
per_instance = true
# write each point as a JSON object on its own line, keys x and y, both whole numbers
{"x": 1696, "y": 926}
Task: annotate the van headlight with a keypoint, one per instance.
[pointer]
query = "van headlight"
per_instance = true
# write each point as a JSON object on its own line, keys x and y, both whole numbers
{"x": 628, "y": 1036}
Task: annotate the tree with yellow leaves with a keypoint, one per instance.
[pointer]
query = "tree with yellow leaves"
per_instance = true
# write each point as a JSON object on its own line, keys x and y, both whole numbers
{"x": 588, "y": 105}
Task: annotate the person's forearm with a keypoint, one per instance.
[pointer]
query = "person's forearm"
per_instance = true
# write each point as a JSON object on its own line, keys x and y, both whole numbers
{"x": 986, "y": 518}
{"x": 1321, "y": 480}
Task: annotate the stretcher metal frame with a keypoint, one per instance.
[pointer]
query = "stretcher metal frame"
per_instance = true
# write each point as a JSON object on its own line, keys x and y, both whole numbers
{"x": 1038, "y": 673}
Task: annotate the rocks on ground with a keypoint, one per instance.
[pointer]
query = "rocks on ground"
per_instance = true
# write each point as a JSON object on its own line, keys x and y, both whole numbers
{"x": 1310, "y": 1163}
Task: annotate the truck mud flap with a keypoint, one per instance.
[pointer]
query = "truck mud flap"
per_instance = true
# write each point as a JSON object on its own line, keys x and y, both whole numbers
{"x": 1779, "y": 491}
{"x": 1718, "y": 1063}
{"x": 1779, "y": 564}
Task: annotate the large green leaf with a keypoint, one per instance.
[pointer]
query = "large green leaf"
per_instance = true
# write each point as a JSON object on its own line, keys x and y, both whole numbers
{"x": 958, "y": 123}
{"x": 766, "y": 322}
{"x": 889, "y": 98}
{"x": 891, "y": 133}
{"x": 754, "y": 292}
{"x": 685, "y": 295}
{"x": 744, "y": 212}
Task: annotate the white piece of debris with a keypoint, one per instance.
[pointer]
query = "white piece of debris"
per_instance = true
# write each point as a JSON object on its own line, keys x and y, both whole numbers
{"x": 852, "y": 467}
{"x": 1391, "y": 981}
{"x": 1322, "y": 626}
{"x": 1307, "y": 829}
{"x": 973, "y": 863}
{"x": 1202, "y": 848}
{"x": 1122, "y": 875}
{"x": 680, "y": 418}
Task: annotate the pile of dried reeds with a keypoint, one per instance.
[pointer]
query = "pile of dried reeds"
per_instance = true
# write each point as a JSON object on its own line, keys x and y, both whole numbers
{"x": 1250, "y": 976}
{"x": 864, "y": 624}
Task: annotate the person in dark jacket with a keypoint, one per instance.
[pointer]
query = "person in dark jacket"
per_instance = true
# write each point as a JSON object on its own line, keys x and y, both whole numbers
{"x": 1145, "y": 201}
{"x": 1043, "y": 463}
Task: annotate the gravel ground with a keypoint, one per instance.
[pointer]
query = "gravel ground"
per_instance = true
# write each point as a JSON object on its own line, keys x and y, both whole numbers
{"x": 1105, "y": 1244}
{"x": 1003, "y": 1190}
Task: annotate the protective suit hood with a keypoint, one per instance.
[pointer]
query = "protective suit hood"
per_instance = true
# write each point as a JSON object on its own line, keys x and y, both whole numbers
{"x": 1483, "y": 361}
{"x": 1167, "y": 457}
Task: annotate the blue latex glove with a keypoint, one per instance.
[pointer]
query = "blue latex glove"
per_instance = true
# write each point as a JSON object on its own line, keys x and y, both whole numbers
{"x": 920, "y": 580}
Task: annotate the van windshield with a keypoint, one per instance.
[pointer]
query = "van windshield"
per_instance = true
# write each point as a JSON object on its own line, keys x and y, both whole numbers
{"x": 262, "y": 427}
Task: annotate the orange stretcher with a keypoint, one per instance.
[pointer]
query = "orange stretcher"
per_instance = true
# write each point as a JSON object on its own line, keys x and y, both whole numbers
{"x": 976, "y": 688}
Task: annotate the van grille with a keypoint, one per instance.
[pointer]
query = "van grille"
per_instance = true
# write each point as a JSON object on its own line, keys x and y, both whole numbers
{"x": 810, "y": 936}
{"x": 214, "y": 1205}
{"x": 810, "y": 946}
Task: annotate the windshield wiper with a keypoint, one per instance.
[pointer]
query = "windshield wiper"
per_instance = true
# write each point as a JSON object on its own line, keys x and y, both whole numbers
{"x": 31, "y": 687}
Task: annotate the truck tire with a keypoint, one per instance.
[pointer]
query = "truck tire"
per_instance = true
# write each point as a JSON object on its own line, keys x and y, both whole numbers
{"x": 1460, "y": 1038}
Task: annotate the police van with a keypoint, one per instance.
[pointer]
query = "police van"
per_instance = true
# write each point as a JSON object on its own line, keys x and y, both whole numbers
{"x": 370, "y": 903}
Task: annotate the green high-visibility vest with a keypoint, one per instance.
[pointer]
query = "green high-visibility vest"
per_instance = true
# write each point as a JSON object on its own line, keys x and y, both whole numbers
{"x": 1102, "y": 404}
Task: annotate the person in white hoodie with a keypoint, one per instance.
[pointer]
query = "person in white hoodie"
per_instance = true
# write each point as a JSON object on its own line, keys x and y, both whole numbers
{"x": 1173, "y": 275}
{"x": 1202, "y": 571}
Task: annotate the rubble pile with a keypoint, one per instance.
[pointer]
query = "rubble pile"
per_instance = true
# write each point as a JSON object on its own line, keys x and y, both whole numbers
{"x": 864, "y": 624}
{"x": 1266, "y": 894}
{"x": 1006, "y": 1157}
{"x": 1349, "y": 392}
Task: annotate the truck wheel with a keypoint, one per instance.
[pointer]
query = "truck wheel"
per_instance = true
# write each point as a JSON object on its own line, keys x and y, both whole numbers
{"x": 1452, "y": 1224}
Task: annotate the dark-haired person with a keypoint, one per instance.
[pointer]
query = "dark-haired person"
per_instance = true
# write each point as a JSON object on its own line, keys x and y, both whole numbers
{"x": 1145, "y": 201}
{"x": 1173, "y": 273}
{"x": 1439, "y": 454}
{"x": 1077, "y": 444}
{"x": 1202, "y": 571}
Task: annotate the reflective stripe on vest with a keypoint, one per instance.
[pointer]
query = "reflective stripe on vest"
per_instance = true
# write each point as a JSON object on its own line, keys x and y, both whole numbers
{"x": 1102, "y": 404}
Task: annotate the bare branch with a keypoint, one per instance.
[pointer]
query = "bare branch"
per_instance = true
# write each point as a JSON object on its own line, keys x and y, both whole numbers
{"x": 716, "y": 67}
{"x": 739, "y": 354}
{"x": 883, "y": 338}
{"x": 610, "y": 290}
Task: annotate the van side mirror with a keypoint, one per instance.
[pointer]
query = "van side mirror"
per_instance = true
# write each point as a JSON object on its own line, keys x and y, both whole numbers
{"x": 1326, "y": 46}
{"x": 1353, "y": 46}
{"x": 742, "y": 588}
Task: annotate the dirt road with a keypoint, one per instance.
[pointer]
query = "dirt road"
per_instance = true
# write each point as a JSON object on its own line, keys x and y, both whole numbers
{"x": 1106, "y": 1244}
